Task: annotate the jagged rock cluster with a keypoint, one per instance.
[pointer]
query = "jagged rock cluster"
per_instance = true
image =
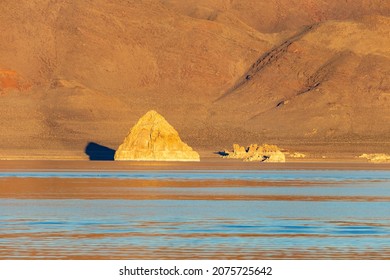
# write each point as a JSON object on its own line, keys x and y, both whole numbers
{"x": 153, "y": 138}
{"x": 265, "y": 152}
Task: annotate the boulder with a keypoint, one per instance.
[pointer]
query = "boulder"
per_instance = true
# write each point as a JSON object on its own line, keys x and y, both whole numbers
{"x": 154, "y": 139}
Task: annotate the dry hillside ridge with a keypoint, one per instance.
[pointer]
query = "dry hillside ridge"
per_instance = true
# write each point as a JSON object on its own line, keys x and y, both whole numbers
{"x": 309, "y": 76}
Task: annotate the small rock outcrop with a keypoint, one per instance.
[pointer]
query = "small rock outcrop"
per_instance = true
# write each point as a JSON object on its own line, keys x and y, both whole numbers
{"x": 267, "y": 153}
{"x": 296, "y": 155}
{"x": 376, "y": 158}
{"x": 153, "y": 138}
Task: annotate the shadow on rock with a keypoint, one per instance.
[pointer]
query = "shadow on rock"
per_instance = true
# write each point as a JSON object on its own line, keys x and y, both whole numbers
{"x": 99, "y": 152}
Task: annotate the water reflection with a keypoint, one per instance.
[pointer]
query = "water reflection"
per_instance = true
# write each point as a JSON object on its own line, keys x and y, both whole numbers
{"x": 239, "y": 217}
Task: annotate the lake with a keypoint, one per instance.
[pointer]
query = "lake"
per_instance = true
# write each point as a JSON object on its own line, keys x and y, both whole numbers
{"x": 212, "y": 210}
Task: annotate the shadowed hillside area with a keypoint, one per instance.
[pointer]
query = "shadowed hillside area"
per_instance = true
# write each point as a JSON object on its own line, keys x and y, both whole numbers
{"x": 303, "y": 74}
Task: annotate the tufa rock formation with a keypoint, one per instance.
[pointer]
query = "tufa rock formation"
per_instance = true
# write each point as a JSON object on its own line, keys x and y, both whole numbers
{"x": 268, "y": 153}
{"x": 153, "y": 138}
{"x": 376, "y": 158}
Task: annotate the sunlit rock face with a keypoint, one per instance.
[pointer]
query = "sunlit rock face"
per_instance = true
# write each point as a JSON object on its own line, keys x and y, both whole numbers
{"x": 153, "y": 138}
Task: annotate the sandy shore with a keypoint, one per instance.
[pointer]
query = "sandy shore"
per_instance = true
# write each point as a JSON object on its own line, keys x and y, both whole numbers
{"x": 112, "y": 188}
{"x": 167, "y": 189}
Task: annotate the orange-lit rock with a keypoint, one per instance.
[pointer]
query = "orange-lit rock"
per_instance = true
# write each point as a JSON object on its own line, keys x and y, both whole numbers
{"x": 153, "y": 138}
{"x": 268, "y": 153}
{"x": 376, "y": 158}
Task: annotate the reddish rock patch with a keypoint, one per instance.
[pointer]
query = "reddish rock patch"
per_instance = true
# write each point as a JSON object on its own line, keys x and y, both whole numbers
{"x": 10, "y": 79}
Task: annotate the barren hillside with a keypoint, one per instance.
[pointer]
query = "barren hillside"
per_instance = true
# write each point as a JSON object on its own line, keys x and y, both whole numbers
{"x": 295, "y": 73}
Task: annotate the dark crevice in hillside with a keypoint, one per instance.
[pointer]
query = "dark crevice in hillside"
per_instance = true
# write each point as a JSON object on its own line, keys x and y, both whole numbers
{"x": 266, "y": 59}
{"x": 302, "y": 91}
{"x": 308, "y": 89}
{"x": 320, "y": 76}
{"x": 281, "y": 103}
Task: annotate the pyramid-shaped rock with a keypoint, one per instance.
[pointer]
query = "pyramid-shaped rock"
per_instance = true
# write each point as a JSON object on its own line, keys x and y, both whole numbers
{"x": 153, "y": 138}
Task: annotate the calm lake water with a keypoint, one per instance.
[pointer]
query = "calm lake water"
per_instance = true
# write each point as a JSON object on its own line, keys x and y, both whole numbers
{"x": 195, "y": 214}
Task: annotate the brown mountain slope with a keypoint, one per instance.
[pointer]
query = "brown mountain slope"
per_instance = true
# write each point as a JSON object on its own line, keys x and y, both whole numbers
{"x": 85, "y": 71}
{"x": 332, "y": 80}
{"x": 277, "y": 16}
